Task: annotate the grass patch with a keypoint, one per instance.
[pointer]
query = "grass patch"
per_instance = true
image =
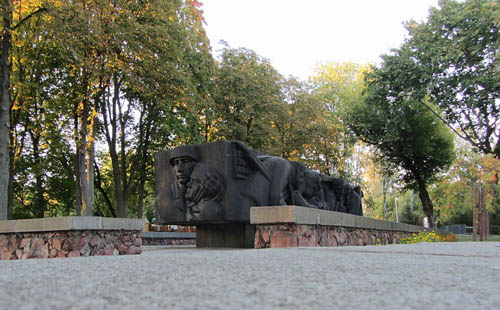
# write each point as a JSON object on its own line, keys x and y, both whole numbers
{"x": 468, "y": 238}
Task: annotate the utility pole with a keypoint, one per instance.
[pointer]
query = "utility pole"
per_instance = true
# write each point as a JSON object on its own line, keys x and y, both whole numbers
{"x": 411, "y": 201}
{"x": 396, "y": 204}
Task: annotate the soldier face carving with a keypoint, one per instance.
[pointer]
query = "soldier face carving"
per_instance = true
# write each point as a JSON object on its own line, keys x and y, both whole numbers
{"x": 183, "y": 167}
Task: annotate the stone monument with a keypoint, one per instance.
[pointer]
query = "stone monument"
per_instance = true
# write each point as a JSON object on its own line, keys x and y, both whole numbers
{"x": 217, "y": 183}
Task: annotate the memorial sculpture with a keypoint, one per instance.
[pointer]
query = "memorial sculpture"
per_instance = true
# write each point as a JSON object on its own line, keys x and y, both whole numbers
{"x": 219, "y": 182}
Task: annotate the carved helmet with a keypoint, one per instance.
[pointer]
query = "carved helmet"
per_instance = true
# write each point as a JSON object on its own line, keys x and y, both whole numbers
{"x": 184, "y": 151}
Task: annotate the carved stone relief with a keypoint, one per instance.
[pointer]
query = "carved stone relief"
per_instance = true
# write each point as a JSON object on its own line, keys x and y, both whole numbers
{"x": 219, "y": 182}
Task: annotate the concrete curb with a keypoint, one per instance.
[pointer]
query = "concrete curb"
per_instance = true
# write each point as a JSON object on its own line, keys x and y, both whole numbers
{"x": 70, "y": 223}
{"x": 308, "y": 216}
{"x": 168, "y": 235}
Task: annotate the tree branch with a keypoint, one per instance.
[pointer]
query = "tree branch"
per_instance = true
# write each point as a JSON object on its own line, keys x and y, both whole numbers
{"x": 98, "y": 184}
{"x": 466, "y": 137}
{"x": 26, "y": 18}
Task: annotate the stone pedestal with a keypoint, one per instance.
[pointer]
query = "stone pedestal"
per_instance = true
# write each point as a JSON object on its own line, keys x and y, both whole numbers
{"x": 234, "y": 235}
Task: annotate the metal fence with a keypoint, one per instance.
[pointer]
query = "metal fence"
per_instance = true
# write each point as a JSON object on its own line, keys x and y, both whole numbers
{"x": 460, "y": 229}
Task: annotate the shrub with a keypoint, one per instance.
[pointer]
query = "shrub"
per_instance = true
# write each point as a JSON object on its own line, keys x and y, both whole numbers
{"x": 428, "y": 236}
{"x": 495, "y": 230}
{"x": 449, "y": 237}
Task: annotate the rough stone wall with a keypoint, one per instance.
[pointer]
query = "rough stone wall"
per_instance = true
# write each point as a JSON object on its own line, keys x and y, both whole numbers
{"x": 294, "y": 235}
{"x": 69, "y": 244}
{"x": 168, "y": 241}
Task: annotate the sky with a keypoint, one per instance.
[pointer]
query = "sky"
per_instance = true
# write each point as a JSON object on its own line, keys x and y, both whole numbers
{"x": 298, "y": 35}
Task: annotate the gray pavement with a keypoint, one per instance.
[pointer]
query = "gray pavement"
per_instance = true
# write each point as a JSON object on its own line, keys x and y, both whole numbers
{"x": 416, "y": 276}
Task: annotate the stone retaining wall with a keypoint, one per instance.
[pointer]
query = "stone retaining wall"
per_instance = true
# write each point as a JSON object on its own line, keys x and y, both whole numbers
{"x": 69, "y": 237}
{"x": 69, "y": 244}
{"x": 293, "y": 235}
{"x": 292, "y": 226}
{"x": 168, "y": 238}
{"x": 150, "y": 241}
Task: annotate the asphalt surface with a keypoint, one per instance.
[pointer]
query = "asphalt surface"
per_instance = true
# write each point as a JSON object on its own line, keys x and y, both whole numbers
{"x": 417, "y": 276}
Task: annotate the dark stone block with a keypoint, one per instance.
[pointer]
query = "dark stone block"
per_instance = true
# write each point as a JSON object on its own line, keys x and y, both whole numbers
{"x": 232, "y": 235}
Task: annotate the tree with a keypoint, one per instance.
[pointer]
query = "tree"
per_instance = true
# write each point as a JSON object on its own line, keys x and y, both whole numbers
{"x": 408, "y": 137}
{"x": 33, "y": 126}
{"x": 129, "y": 74}
{"x": 13, "y": 16}
{"x": 169, "y": 89}
{"x": 450, "y": 64}
{"x": 141, "y": 59}
{"x": 455, "y": 57}
{"x": 135, "y": 45}
{"x": 248, "y": 90}
{"x": 338, "y": 86}
{"x": 456, "y": 194}
{"x": 5, "y": 106}
{"x": 293, "y": 122}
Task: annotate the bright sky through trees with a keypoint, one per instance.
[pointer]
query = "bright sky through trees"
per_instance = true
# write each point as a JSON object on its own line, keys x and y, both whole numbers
{"x": 296, "y": 35}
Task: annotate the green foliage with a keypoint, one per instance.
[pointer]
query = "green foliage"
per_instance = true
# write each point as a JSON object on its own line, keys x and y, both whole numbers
{"x": 248, "y": 91}
{"x": 407, "y": 135}
{"x": 145, "y": 73}
{"x": 293, "y": 119}
{"x": 303, "y": 129}
{"x": 450, "y": 66}
{"x": 455, "y": 59}
{"x": 338, "y": 87}
{"x": 457, "y": 194}
{"x": 77, "y": 56}
{"x": 405, "y": 203}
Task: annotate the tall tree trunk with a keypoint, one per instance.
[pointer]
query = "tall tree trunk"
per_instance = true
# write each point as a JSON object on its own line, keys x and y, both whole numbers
{"x": 91, "y": 154}
{"x": 90, "y": 170}
{"x": 144, "y": 145}
{"x": 426, "y": 201}
{"x": 475, "y": 221}
{"x": 5, "y": 109}
{"x": 117, "y": 180}
{"x": 10, "y": 198}
{"x": 140, "y": 196}
{"x": 85, "y": 154}
{"x": 39, "y": 200}
{"x": 384, "y": 192}
{"x": 123, "y": 147}
{"x": 111, "y": 122}
{"x": 78, "y": 187}
{"x": 482, "y": 214}
{"x": 15, "y": 151}
{"x": 475, "y": 213}
{"x": 39, "y": 203}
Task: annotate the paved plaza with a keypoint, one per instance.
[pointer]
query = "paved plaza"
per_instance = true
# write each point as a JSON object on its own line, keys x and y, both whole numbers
{"x": 461, "y": 275}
